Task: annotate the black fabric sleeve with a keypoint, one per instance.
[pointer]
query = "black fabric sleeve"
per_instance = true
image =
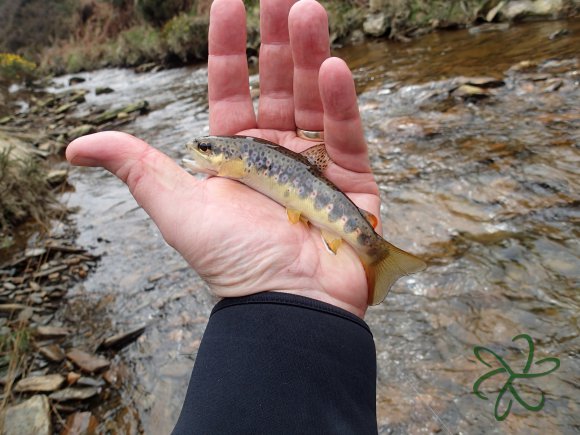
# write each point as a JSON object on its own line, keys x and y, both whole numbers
{"x": 276, "y": 363}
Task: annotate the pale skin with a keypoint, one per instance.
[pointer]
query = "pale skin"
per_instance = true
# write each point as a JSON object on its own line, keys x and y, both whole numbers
{"x": 239, "y": 241}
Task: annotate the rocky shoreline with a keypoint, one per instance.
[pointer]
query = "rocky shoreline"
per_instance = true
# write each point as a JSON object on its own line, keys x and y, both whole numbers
{"x": 51, "y": 375}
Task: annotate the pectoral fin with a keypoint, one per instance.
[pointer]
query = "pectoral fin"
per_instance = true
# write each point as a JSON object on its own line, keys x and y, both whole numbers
{"x": 331, "y": 241}
{"x": 371, "y": 218}
{"x": 317, "y": 156}
{"x": 232, "y": 169}
{"x": 293, "y": 215}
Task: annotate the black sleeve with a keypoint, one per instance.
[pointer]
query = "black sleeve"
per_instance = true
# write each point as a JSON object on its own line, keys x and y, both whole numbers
{"x": 276, "y": 363}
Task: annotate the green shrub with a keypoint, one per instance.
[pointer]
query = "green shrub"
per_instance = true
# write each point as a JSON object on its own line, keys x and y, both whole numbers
{"x": 158, "y": 12}
{"x": 186, "y": 37}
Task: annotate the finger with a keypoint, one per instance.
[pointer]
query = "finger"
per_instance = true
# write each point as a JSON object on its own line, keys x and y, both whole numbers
{"x": 230, "y": 104}
{"x": 343, "y": 131}
{"x": 158, "y": 184}
{"x": 308, "y": 26}
{"x": 276, "y": 107}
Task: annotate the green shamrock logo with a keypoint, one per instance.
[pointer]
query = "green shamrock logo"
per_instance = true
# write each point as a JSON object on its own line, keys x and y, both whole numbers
{"x": 505, "y": 368}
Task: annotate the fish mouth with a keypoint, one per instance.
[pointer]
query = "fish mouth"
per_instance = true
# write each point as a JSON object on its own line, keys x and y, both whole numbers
{"x": 197, "y": 167}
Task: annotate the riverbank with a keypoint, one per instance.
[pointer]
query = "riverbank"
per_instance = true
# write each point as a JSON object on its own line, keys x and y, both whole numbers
{"x": 126, "y": 34}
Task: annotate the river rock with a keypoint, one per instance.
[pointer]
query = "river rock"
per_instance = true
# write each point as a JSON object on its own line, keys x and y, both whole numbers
{"x": 376, "y": 24}
{"x": 87, "y": 362}
{"x": 39, "y": 384}
{"x": 521, "y": 8}
{"x": 106, "y": 90}
{"x": 56, "y": 177}
{"x": 52, "y": 352}
{"x": 72, "y": 393}
{"x": 52, "y": 331}
{"x": 10, "y": 308}
{"x": 122, "y": 339}
{"x": 80, "y": 423}
{"x": 79, "y": 131}
{"x": 76, "y": 80}
{"x": 31, "y": 417}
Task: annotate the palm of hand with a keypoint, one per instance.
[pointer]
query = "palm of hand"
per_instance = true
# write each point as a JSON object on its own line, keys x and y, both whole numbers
{"x": 237, "y": 239}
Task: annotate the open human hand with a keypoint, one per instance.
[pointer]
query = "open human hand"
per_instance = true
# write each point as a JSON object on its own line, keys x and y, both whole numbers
{"x": 238, "y": 240}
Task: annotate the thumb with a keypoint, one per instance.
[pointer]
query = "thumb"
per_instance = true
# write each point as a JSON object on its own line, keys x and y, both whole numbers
{"x": 156, "y": 182}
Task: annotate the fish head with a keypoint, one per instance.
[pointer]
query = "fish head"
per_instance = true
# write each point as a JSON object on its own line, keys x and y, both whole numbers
{"x": 209, "y": 153}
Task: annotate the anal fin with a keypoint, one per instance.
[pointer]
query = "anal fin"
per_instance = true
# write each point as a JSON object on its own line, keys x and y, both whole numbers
{"x": 371, "y": 218}
{"x": 331, "y": 241}
{"x": 294, "y": 216}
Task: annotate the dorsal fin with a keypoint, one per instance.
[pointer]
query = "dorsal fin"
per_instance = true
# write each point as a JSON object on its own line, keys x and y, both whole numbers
{"x": 317, "y": 156}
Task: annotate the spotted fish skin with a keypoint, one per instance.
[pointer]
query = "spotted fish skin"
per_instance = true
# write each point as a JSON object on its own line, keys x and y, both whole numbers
{"x": 293, "y": 181}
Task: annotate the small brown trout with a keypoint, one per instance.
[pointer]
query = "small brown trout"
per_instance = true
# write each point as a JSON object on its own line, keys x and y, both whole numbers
{"x": 296, "y": 182}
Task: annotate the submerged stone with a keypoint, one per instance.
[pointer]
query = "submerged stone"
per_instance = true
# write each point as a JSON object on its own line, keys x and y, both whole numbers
{"x": 88, "y": 362}
{"x": 46, "y": 383}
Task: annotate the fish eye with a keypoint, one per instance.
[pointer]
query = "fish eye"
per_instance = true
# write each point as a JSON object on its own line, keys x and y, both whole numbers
{"x": 204, "y": 147}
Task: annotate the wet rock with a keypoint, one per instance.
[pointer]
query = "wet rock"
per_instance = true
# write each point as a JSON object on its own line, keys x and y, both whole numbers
{"x": 558, "y": 34}
{"x": 9, "y": 286}
{"x": 146, "y": 67}
{"x": 470, "y": 92}
{"x": 80, "y": 423}
{"x": 76, "y": 80}
{"x": 64, "y": 108}
{"x": 100, "y": 91}
{"x": 52, "y": 331}
{"x": 485, "y": 82}
{"x": 487, "y": 28}
{"x": 376, "y": 24}
{"x": 31, "y": 417}
{"x": 89, "y": 382}
{"x": 81, "y": 130}
{"x": 34, "y": 252}
{"x": 122, "y": 339}
{"x": 72, "y": 393}
{"x": 39, "y": 384}
{"x": 56, "y": 177}
{"x": 88, "y": 362}
{"x": 49, "y": 271}
{"x": 72, "y": 378}
{"x": 52, "y": 352}
{"x": 11, "y": 308}
{"x": 111, "y": 115}
{"x": 522, "y": 8}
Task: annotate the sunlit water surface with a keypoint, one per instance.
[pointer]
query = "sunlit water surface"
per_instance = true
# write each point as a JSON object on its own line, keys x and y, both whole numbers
{"x": 487, "y": 190}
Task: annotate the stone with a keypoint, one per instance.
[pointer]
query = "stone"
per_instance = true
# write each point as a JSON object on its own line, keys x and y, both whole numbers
{"x": 521, "y": 8}
{"x": 122, "y": 339}
{"x": 31, "y": 417}
{"x": 87, "y": 362}
{"x": 72, "y": 378}
{"x": 39, "y": 384}
{"x": 9, "y": 286}
{"x": 80, "y": 423}
{"x": 56, "y": 177}
{"x": 79, "y": 131}
{"x": 470, "y": 91}
{"x": 85, "y": 381}
{"x": 52, "y": 331}
{"x": 72, "y": 393}
{"x": 106, "y": 90}
{"x": 376, "y": 24}
{"x": 76, "y": 80}
{"x": 52, "y": 352}
{"x": 10, "y": 308}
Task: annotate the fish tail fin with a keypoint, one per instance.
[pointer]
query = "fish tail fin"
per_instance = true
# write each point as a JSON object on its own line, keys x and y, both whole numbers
{"x": 382, "y": 273}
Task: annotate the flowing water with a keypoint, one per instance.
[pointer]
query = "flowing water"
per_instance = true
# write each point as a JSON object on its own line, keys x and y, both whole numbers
{"x": 484, "y": 185}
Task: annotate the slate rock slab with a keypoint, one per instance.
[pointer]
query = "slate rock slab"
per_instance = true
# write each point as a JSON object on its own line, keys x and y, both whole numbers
{"x": 31, "y": 417}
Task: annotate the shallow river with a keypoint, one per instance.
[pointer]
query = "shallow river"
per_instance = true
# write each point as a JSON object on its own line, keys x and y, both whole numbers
{"x": 485, "y": 187}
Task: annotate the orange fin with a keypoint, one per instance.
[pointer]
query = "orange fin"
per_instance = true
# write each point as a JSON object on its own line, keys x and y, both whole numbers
{"x": 331, "y": 241}
{"x": 383, "y": 273}
{"x": 294, "y": 216}
{"x": 317, "y": 156}
{"x": 232, "y": 169}
{"x": 371, "y": 218}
